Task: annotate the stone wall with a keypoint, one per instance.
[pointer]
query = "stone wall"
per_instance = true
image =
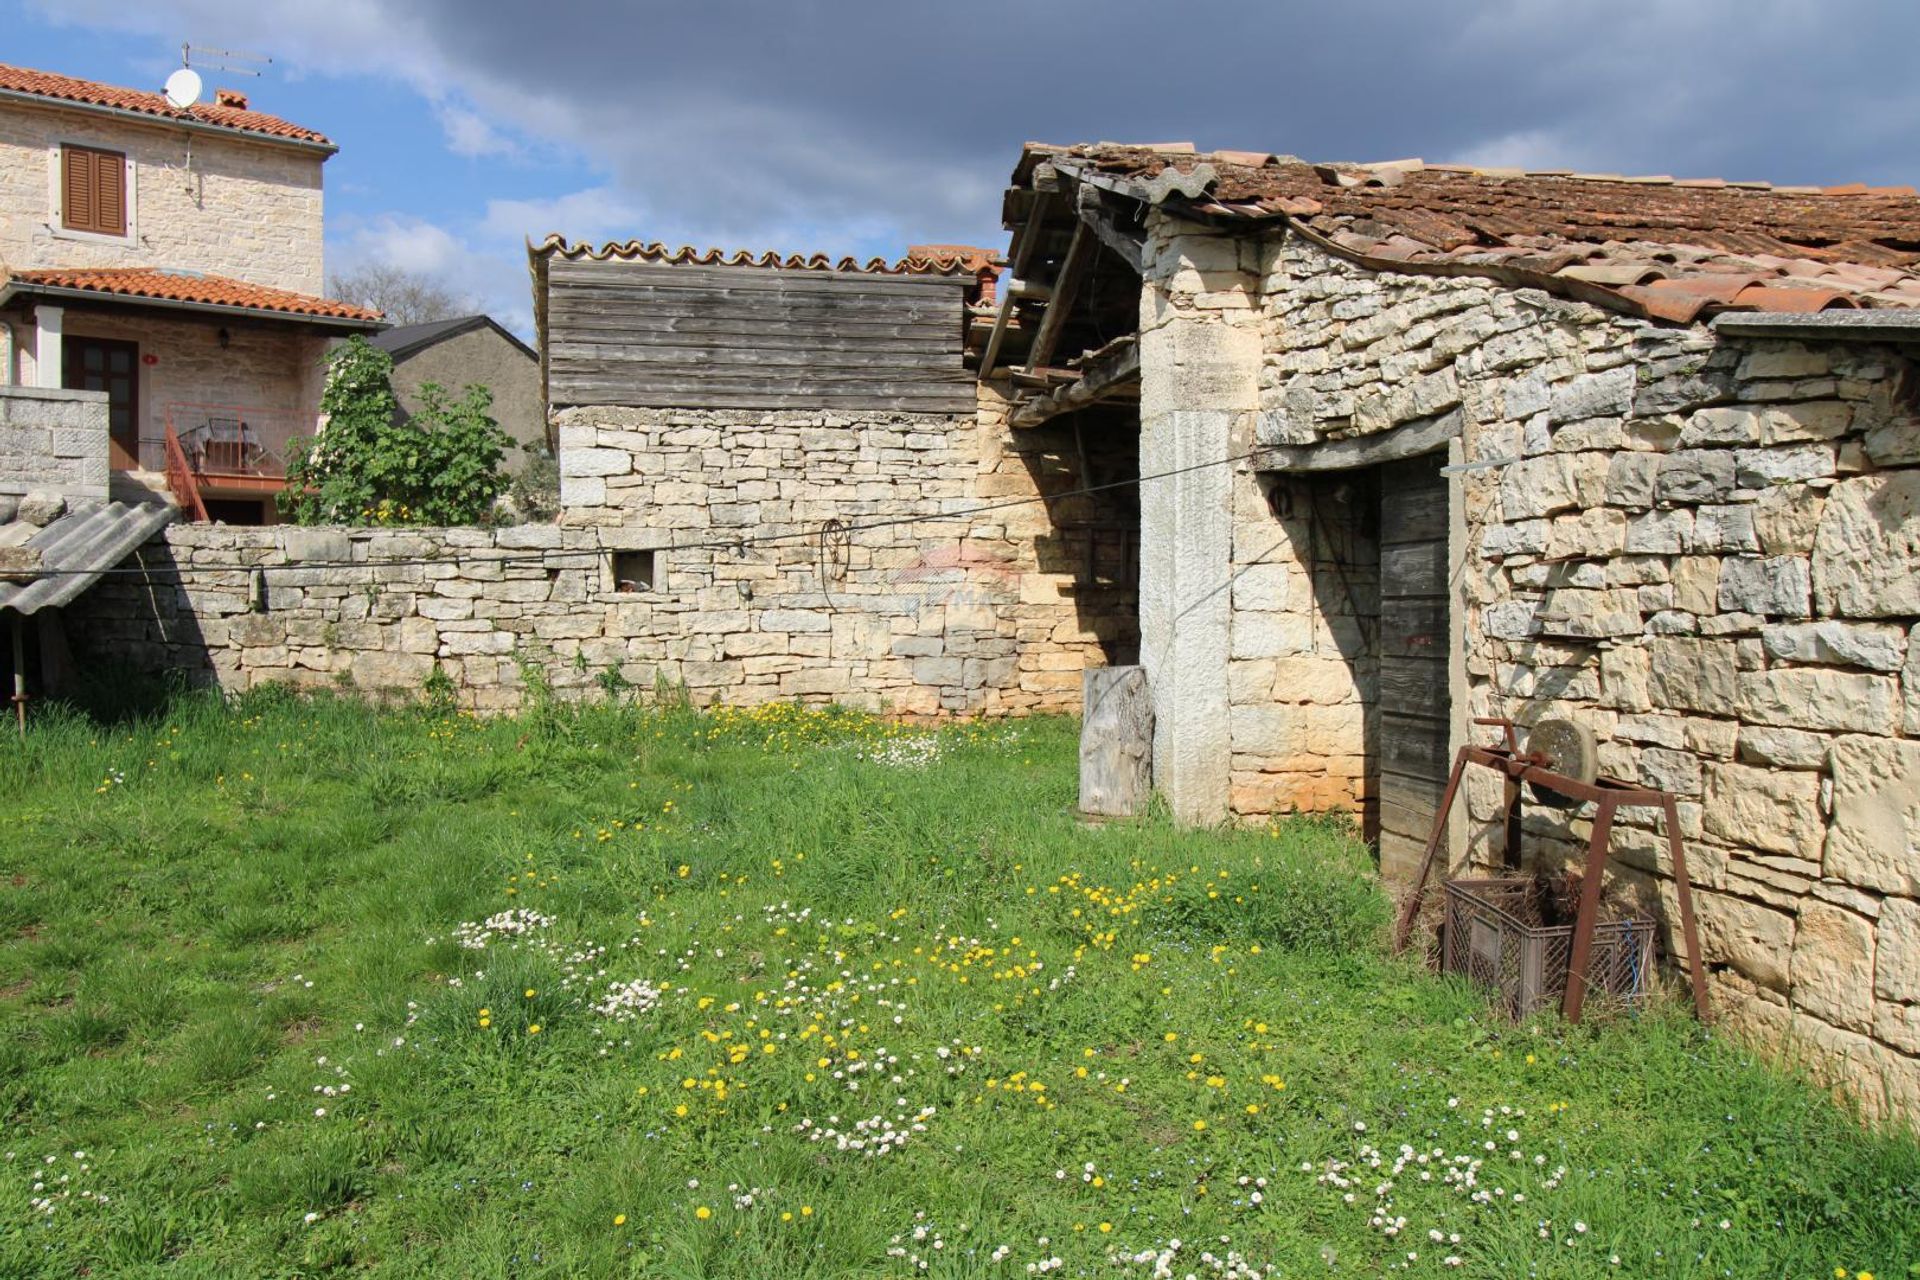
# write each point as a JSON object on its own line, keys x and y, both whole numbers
{"x": 1703, "y": 548}
{"x": 53, "y": 442}
{"x": 247, "y": 209}
{"x": 991, "y": 613}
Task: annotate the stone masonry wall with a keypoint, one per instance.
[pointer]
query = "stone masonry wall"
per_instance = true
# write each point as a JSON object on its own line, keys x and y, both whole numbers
{"x": 1706, "y": 549}
{"x": 247, "y": 209}
{"x": 53, "y": 442}
{"x": 930, "y": 616}
{"x": 991, "y": 613}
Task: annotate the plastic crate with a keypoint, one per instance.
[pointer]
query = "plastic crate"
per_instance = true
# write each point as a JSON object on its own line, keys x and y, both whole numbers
{"x": 1514, "y": 935}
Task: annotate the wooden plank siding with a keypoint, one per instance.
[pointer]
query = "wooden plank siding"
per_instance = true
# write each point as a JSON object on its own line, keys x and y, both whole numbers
{"x": 1414, "y": 702}
{"x": 660, "y": 335}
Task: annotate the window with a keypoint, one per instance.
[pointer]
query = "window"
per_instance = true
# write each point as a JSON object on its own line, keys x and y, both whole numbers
{"x": 93, "y": 190}
{"x": 634, "y": 571}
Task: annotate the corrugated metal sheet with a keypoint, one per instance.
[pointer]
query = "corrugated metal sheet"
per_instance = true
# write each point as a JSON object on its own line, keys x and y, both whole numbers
{"x": 77, "y": 548}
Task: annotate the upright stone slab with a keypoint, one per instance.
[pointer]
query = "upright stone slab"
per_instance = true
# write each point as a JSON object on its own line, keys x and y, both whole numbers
{"x": 1116, "y": 742}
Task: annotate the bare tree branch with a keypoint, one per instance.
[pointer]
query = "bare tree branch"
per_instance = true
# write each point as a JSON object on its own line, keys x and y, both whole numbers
{"x": 404, "y": 297}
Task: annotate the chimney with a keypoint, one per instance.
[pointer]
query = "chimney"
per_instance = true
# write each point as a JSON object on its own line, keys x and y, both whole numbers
{"x": 230, "y": 98}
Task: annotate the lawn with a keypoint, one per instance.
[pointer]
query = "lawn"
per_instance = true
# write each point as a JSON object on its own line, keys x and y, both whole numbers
{"x": 299, "y": 988}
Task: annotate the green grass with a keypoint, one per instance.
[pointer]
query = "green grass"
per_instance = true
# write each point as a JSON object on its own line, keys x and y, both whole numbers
{"x": 221, "y": 921}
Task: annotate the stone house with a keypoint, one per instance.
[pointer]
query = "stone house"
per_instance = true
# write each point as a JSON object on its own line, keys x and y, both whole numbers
{"x": 1441, "y": 443}
{"x": 171, "y": 258}
{"x": 463, "y": 350}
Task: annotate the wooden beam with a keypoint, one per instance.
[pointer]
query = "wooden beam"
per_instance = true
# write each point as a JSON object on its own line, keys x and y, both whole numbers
{"x": 1019, "y": 256}
{"x": 1130, "y": 248}
{"x": 1111, "y": 377}
{"x": 1065, "y": 286}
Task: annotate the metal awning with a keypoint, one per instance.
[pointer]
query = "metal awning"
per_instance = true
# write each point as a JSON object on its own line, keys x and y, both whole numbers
{"x": 80, "y": 546}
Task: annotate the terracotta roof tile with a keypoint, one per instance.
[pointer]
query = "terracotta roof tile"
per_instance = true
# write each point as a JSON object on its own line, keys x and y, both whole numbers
{"x": 923, "y": 260}
{"x": 1638, "y": 241}
{"x": 193, "y": 287}
{"x": 45, "y": 84}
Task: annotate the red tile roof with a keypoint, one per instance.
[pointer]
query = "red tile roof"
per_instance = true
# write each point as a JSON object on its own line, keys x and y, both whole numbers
{"x": 929, "y": 260}
{"x": 91, "y": 93}
{"x": 191, "y": 287}
{"x": 1661, "y": 247}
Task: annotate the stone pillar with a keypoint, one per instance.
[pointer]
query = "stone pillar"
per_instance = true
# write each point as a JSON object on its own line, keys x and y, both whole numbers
{"x": 47, "y": 361}
{"x": 1199, "y": 392}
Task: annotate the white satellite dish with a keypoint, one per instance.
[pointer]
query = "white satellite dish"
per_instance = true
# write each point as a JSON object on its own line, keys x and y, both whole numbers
{"x": 183, "y": 88}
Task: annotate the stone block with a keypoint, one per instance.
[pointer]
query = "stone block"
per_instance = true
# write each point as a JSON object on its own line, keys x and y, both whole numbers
{"x": 1538, "y": 487}
{"x": 1786, "y": 519}
{"x": 40, "y": 508}
{"x": 325, "y": 545}
{"x": 1896, "y": 970}
{"x": 1693, "y": 675}
{"x": 595, "y": 462}
{"x": 1789, "y": 464}
{"x": 1675, "y": 771}
{"x": 1723, "y": 425}
{"x": 1755, "y": 940}
{"x": 1910, "y": 683}
{"x": 388, "y": 671}
{"x": 1724, "y": 528}
{"x": 1806, "y": 420}
{"x": 1821, "y": 699}
{"x": 1832, "y": 956}
{"x": 1630, "y": 479}
{"x": 1866, "y": 553}
{"x": 1593, "y": 395}
{"x": 1667, "y": 532}
{"x": 1785, "y": 748}
{"x": 1262, "y": 587}
{"x": 1781, "y": 587}
{"x": 1874, "y": 840}
{"x": 1766, "y": 809}
{"x": 1694, "y": 476}
{"x": 1696, "y": 584}
{"x": 1877, "y": 646}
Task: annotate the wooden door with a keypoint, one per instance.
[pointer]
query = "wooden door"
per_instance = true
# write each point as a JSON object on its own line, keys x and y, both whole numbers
{"x": 1414, "y": 636}
{"x": 112, "y": 366}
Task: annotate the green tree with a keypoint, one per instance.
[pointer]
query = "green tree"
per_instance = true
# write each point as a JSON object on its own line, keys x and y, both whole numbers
{"x": 366, "y": 466}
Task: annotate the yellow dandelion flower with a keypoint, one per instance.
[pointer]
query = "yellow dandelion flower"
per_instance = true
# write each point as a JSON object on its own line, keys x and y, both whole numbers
{"x": 619, "y": 1219}
{"x": 703, "y": 1213}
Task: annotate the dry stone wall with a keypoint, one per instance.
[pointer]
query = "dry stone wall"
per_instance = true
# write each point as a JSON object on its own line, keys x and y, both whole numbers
{"x": 1707, "y": 549}
{"x": 928, "y": 615}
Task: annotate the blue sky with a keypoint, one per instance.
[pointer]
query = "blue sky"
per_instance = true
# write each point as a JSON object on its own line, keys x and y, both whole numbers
{"x": 860, "y": 126}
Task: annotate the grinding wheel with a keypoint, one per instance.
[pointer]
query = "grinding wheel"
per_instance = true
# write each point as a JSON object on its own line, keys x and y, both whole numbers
{"x": 1569, "y": 748}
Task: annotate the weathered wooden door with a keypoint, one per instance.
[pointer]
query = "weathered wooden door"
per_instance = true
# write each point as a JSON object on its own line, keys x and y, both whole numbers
{"x": 103, "y": 364}
{"x": 1414, "y": 635}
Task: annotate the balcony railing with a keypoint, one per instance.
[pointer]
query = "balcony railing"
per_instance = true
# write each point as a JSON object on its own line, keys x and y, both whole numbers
{"x": 219, "y": 451}
{"x": 230, "y": 444}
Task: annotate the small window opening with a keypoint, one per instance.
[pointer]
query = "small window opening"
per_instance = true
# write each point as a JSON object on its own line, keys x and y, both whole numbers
{"x": 635, "y": 571}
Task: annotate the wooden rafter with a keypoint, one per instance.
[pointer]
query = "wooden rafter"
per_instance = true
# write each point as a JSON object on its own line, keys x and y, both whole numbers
{"x": 1021, "y": 257}
{"x": 1114, "y": 374}
{"x": 1066, "y": 285}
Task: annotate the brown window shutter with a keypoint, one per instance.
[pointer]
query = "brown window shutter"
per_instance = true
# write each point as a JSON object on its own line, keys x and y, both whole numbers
{"x": 76, "y": 210}
{"x": 93, "y": 190}
{"x": 110, "y": 193}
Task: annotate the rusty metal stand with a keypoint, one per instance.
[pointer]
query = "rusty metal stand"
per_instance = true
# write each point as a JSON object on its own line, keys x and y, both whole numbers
{"x": 1610, "y": 794}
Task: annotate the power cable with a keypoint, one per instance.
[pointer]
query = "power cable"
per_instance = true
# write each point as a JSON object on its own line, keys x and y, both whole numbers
{"x": 544, "y": 556}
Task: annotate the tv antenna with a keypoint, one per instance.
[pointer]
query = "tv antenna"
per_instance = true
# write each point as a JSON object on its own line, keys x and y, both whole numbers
{"x": 233, "y": 61}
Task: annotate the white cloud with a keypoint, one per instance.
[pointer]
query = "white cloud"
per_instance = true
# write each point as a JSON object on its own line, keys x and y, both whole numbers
{"x": 470, "y": 134}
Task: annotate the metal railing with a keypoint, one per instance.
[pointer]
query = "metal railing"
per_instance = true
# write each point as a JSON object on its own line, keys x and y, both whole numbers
{"x": 230, "y": 439}
{"x": 180, "y": 478}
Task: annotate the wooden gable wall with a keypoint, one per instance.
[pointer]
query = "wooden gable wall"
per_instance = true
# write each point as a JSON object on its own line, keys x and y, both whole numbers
{"x": 659, "y": 335}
